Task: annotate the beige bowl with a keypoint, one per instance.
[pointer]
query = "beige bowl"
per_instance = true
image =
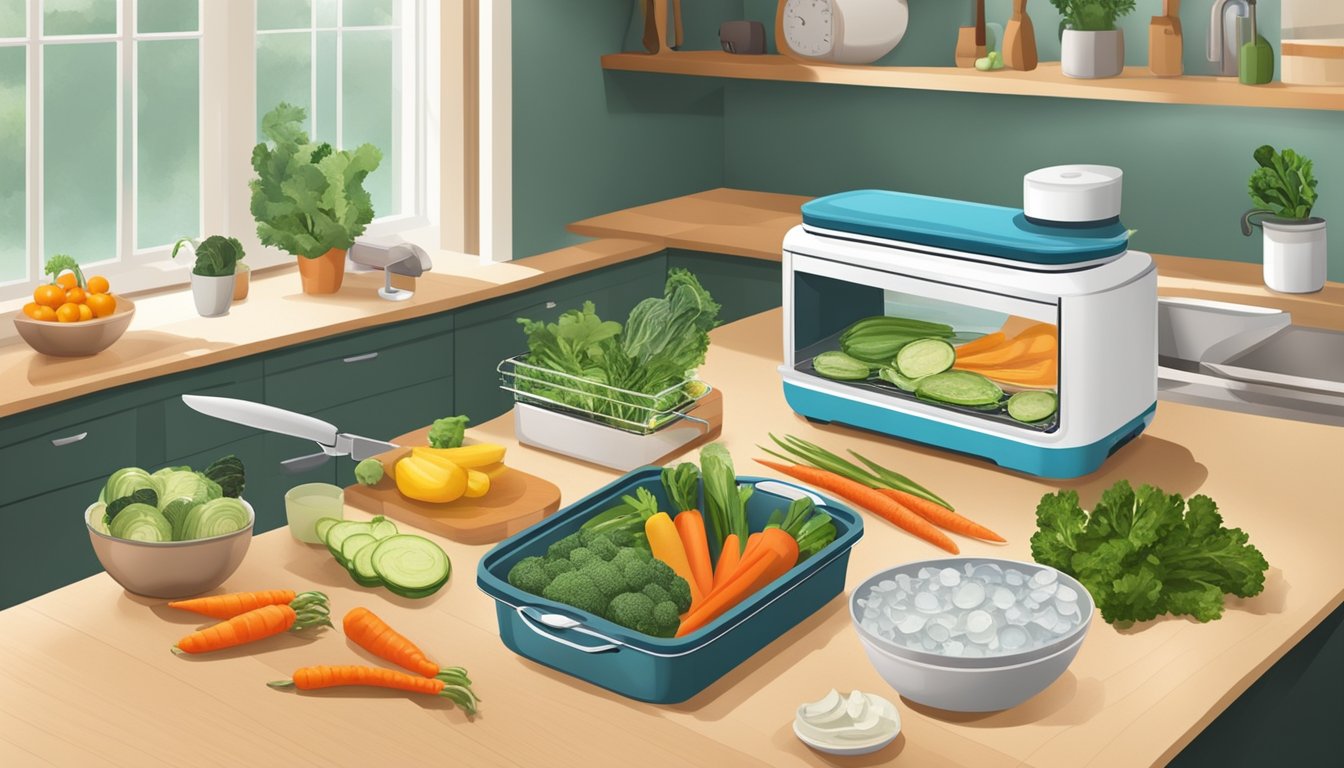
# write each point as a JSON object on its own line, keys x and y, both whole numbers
{"x": 171, "y": 569}
{"x": 76, "y": 339}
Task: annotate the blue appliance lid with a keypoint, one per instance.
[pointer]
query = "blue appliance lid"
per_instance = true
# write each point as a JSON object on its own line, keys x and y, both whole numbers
{"x": 955, "y": 225}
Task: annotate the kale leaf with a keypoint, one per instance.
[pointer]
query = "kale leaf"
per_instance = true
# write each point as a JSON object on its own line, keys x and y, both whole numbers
{"x": 1283, "y": 184}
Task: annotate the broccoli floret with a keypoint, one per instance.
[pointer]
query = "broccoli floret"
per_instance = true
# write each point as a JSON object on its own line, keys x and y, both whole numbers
{"x": 629, "y": 555}
{"x": 603, "y": 548}
{"x": 606, "y": 576}
{"x": 530, "y": 575}
{"x": 581, "y": 555}
{"x": 681, "y": 593}
{"x": 563, "y": 547}
{"x": 658, "y": 594}
{"x": 638, "y": 574}
{"x": 576, "y": 589}
{"x": 556, "y": 567}
{"x": 633, "y": 610}
{"x": 448, "y": 432}
{"x": 665, "y": 619}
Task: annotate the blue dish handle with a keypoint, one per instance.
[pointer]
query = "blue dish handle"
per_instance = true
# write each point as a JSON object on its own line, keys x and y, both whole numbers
{"x": 558, "y": 621}
{"x": 788, "y": 490}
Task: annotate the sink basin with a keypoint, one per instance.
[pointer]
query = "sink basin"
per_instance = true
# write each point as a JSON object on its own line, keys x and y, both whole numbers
{"x": 1249, "y": 359}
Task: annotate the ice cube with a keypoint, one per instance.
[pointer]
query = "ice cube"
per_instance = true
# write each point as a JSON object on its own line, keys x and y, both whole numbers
{"x": 1015, "y": 615}
{"x": 1066, "y": 593}
{"x": 1012, "y": 638}
{"x": 894, "y": 613}
{"x": 954, "y": 648}
{"x": 1065, "y": 608}
{"x": 978, "y": 621}
{"x": 929, "y": 644}
{"x": 1063, "y": 627}
{"x": 870, "y": 612}
{"x": 1030, "y": 604}
{"x": 913, "y": 622}
{"x": 972, "y": 652}
{"x": 944, "y": 619}
{"x": 926, "y": 602}
{"x": 1044, "y": 576}
{"x": 927, "y": 572}
{"x": 933, "y": 586}
{"x": 870, "y": 625}
{"x": 993, "y": 643}
{"x": 988, "y": 573}
{"x": 949, "y": 577}
{"x": 938, "y": 633}
{"x": 1040, "y": 596}
{"x": 1014, "y": 578}
{"x": 886, "y": 585}
{"x": 1046, "y": 617}
{"x": 1003, "y": 598}
{"x": 885, "y": 624}
{"x": 970, "y": 569}
{"x": 969, "y": 595}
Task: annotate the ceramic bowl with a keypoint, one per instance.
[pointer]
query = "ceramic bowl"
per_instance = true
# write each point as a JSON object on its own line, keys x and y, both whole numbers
{"x": 962, "y": 684}
{"x": 76, "y": 339}
{"x": 171, "y": 569}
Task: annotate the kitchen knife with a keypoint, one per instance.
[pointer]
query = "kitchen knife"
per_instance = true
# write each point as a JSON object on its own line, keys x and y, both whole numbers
{"x": 271, "y": 419}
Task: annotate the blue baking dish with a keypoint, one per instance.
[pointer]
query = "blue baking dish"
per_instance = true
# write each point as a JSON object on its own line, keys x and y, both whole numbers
{"x": 662, "y": 671}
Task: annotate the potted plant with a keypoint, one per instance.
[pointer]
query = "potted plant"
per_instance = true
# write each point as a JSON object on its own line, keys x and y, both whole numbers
{"x": 1284, "y": 192}
{"x": 309, "y": 199}
{"x": 1091, "y": 45}
{"x": 212, "y": 277}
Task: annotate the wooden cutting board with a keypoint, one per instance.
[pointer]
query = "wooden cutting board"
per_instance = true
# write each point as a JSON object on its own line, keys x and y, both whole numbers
{"x": 516, "y": 500}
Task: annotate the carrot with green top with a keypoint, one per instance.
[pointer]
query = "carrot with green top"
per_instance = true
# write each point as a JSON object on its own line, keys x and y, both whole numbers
{"x": 451, "y": 683}
{"x": 682, "y": 485}
{"x": 267, "y": 621}
{"x": 377, "y": 637}
{"x": 235, "y": 603}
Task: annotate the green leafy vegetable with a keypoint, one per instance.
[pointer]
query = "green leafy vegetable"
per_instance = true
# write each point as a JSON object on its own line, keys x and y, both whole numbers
{"x": 229, "y": 473}
{"x": 143, "y": 496}
{"x": 448, "y": 432}
{"x": 682, "y": 485}
{"x": 1148, "y": 553}
{"x": 725, "y": 501}
{"x": 125, "y": 482}
{"x": 812, "y": 530}
{"x": 1091, "y": 15}
{"x": 140, "y": 522}
{"x": 215, "y": 518}
{"x": 184, "y": 483}
{"x": 60, "y": 262}
{"x": 369, "y": 472}
{"x": 216, "y": 256}
{"x": 307, "y": 198}
{"x": 1283, "y": 184}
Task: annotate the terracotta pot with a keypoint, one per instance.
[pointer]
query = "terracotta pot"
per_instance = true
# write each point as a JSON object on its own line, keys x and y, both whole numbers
{"x": 324, "y": 273}
{"x": 241, "y": 281}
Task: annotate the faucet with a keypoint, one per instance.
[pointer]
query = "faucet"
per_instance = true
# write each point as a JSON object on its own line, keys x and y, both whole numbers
{"x": 1225, "y": 35}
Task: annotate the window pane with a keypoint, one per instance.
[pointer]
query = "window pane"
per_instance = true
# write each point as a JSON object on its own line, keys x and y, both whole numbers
{"x": 325, "y": 112}
{"x": 167, "y": 15}
{"x": 168, "y": 123}
{"x": 79, "y": 154}
{"x": 79, "y": 17}
{"x": 284, "y": 64}
{"x": 13, "y": 18}
{"x": 284, "y": 14}
{"x": 368, "y": 85}
{"x": 13, "y": 155}
{"x": 326, "y": 13}
{"x": 367, "y": 13}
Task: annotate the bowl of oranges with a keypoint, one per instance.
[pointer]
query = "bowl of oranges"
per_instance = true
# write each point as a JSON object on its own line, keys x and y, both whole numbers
{"x": 71, "y": 316}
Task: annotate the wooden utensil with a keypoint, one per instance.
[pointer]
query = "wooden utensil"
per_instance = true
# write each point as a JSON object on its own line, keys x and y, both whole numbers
{"x": 1019, "y": 40}
{"x": 655, "y": 26}
{"x": 971, "y": 41}
{"x": 1165, "y": 44}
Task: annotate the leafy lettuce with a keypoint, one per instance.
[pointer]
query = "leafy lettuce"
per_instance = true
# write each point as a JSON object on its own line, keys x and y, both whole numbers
{"x": 1283, "y": 184}
{"x": 1146, "y": 553}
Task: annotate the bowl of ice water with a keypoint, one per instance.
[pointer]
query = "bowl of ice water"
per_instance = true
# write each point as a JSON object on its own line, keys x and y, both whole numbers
{"x": 971, "y": 634}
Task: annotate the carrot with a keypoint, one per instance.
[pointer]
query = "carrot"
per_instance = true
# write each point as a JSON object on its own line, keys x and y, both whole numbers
{"x": 773, "y": 557}
{"x": 375, "y": 636}
{"x": 691, "y": 527}
{"x": 233, "y": 604}
{"x": 983, "y": 344}
{"x": 451, "y": 683}
{"x": 941, "y": 516}
{"x": 728, "y": 559}
{"x": 1020, "y": 347}
{"x": 884, "y": 506}
{"x": 254, "y": 625}
{"x": 748, "y": 551}
{"x": 665, "y": 543}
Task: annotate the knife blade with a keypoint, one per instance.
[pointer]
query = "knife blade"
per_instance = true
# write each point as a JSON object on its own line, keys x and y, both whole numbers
{"x": 280, "y": 421}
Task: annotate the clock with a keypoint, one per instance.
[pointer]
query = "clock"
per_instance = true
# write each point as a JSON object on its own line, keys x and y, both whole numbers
{"x": 840, "y": 31}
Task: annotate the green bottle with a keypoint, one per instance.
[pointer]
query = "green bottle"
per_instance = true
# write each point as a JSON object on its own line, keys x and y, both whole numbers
{"x": 1257, "y": 57}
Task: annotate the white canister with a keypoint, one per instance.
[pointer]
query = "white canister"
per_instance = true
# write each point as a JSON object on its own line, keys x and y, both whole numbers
{"x": 1073, "y": 194}
{"x": 1295, "y": 255}
{"x": 212, "y": 295}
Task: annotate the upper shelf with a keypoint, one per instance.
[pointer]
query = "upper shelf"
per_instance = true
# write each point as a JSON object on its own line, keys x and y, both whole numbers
{"x": 1135, "y": 85}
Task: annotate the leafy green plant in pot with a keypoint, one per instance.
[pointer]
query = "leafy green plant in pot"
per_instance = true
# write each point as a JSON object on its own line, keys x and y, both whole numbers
{"x": 309, "y": 199}
{"x": 212, "y": 278}
{"x": 1091, "y": 45}
{"x": 1283, "y": 190}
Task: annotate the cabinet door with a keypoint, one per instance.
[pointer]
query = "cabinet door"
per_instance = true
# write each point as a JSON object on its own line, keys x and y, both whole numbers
{"x": 67, "y": 452}
{"x": 187, "y": 433}
{"x": 743, "y": 287}
{"x": 46, "y": 543}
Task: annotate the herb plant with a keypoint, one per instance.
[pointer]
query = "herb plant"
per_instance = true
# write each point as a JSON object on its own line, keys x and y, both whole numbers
{"x": 1283, "y": 184}
{"x": 58, "y": 263}
{"x": 1142, "y": 554}
{"x": 216, "y": 256}
{"x": 1091, "y": 15}
{"x": 308, "y": 198}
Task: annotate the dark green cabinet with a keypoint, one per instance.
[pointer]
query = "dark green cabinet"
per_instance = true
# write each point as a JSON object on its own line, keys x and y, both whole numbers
{"x": 68, "y": 451}
{"x": 46, "y": 542}
{"x": 743, "y": 287}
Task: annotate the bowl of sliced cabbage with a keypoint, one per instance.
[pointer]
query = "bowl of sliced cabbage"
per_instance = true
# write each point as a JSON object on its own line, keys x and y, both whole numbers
{"x": 172, "y": 533}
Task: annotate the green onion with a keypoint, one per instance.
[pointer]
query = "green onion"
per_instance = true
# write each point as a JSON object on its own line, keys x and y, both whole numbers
{"x": 878, "y": 477}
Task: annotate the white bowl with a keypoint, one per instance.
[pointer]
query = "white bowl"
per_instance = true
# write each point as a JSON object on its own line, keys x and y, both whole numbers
{"x": 961, "y": 684}
{"x": 171, "y": 569}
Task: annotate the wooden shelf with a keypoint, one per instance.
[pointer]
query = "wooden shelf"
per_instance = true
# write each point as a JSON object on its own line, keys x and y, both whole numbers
{"x": 1135, "y": 85}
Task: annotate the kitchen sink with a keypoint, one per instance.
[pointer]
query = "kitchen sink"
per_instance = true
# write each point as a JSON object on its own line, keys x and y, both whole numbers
{"x": 1249, "y": 359}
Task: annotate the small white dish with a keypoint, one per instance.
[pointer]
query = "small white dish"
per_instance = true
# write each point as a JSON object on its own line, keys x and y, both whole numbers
{"x": 861, "y": 748}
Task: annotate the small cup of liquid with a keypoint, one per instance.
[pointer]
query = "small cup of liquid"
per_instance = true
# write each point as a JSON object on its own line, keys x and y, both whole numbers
{"x": 304, "y": 504}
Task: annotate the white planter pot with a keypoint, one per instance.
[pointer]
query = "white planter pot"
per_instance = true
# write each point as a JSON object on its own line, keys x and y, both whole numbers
{"x": 213, "y": 295}
{"x": 1295, "y": 255}
{"x": 1091, "y": 55}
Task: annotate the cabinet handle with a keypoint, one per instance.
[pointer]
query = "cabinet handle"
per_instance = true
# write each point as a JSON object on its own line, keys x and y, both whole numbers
{"x": 360, "y": 358}
{"x": 60, "y": 441}
{"x": 550, "y": 305}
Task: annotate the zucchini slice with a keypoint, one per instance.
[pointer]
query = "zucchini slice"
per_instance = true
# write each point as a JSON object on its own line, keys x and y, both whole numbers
{"x": 380, "y": 527}
{"x": 338, "y": 533}
{"x": 411, "y": 566}
{"x": 959, "y": 388}
{"x": 925, "y": 357}
{"x": 890, "y": 375}
{"x": 1033, "y": 405}
{"x": 361, "y": 567}
{"x": 323, "y": 525}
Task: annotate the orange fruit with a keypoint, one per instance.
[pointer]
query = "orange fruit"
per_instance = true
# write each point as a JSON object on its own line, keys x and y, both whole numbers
{"x": 67, "y": 280}
{"x": 98, "y": 284}
{"x": 68, "y": 313}
{"x": 102, "y": 304}
{"x": 45, "y": 314}
{"x": 30, "y": 309}
{"x": 84, "y": 312}
{"x": 49, "y": 295}
{"x": 75, "y": 295}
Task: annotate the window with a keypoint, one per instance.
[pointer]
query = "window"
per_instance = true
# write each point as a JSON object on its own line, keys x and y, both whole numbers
{"x": 126, "y": 124}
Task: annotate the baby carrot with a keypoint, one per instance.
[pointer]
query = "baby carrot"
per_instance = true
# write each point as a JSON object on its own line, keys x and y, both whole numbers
{"x": 773, "y": 557}
{"x": 375, "y": 636}
{"x": 254, "y": 625}
{"x": 235, "y": 603}
{"x": 941, "y": 516}
{"x": 728, "y": 560}
{"x": 691, "y": 528}
{"x": 884, "y": 506}
{"x": 451, "y": 683}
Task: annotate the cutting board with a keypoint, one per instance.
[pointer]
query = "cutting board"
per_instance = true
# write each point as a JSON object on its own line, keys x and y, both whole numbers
{"x": 1165, "y": 44}
{"x": 516, "y": 500}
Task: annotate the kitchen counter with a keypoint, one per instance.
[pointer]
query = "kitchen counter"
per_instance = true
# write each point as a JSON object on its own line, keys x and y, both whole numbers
{"x": 86, "y": 677}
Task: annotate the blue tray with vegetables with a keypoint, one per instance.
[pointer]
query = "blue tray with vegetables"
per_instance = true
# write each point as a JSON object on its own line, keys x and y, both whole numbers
{"x": 663, "y": 581}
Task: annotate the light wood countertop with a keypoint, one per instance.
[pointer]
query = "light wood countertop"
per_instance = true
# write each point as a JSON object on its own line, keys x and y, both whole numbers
{"x": 86, "y": 677}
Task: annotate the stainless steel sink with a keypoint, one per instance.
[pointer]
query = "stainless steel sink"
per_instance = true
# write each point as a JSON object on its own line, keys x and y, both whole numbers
{"x": 1249, "y": 359}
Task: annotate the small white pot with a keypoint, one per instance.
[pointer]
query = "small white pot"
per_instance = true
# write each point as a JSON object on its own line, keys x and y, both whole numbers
{"x": 1092, "y": 55}
{"x": 213, "y": 295}
{"x": 1295, "y": 255}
